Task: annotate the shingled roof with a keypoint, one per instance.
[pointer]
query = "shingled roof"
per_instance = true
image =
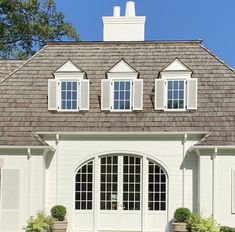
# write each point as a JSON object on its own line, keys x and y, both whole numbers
{"x": 23, "y": 101}
{"x": 8, "y": 66}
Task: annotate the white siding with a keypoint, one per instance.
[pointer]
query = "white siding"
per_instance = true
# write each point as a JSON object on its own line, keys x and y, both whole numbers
{"x": 73, "y": 153}
{"x": 32, "y": 194}
{"x": 224, "y": 163}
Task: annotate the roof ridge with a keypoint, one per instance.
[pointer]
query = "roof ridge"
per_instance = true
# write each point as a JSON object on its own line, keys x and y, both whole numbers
{"x": 217, "y": 58}
{"x": 26, "y": 62}
{"x": 125, "y": 42}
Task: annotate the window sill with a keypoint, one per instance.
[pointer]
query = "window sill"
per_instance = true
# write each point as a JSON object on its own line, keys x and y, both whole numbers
{"x": 121, "y": 111}
{"x": 68, "y": 111}
{"x": 175, "y": 110}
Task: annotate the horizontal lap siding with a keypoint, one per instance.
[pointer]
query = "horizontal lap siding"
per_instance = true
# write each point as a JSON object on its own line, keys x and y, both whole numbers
{"x": 72, "y": 153}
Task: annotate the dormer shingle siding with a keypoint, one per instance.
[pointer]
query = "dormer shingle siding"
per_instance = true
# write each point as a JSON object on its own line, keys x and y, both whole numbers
{"x": 23, "y": 96}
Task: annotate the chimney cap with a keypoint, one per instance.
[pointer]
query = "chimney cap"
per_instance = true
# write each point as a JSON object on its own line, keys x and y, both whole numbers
{"x": 116, "y": 11}
{"x": 130, "y": 9}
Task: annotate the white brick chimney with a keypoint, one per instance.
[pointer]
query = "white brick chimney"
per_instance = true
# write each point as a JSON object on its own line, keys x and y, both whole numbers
{"x": 124, "y": 28}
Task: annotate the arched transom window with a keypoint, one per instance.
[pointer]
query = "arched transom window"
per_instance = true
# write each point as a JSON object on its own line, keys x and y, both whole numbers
{"x": 84, "y": 187}
{"x": 157, "y": 188}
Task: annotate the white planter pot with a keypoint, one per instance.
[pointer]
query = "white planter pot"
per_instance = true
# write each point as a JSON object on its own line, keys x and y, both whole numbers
{"x": 59, "y": 226}
{"x": 180, "y": 227}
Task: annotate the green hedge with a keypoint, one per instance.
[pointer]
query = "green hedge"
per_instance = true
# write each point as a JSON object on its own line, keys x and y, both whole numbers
{"x": 226, "y": 229}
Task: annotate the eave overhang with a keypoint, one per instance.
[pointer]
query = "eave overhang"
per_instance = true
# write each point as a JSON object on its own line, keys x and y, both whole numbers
{"x": 122, "y": 135}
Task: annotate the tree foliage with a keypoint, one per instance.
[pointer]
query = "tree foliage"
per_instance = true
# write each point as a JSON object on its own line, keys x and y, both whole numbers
{"x": 25, "y": 25}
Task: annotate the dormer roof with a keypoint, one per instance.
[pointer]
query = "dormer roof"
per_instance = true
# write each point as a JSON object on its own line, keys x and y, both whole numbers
{"x": 68, "y": 66}
{"x": 122, "y": 66}
{"x": 176, "y": 65}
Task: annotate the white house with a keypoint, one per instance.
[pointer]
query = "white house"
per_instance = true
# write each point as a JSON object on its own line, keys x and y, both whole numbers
{"x": 122, "y": 132}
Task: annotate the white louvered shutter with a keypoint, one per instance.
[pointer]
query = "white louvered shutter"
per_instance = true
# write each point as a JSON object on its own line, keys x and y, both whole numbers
{"x": 52, "y": 95}
{"x": 192, "y": 94}
{"x": 138, "y": 94}
{"x": 159, "y": 94}
{"x": 10, "y": 200}
{"x": 84, "y": 95}
{"x": 105, "y": 94}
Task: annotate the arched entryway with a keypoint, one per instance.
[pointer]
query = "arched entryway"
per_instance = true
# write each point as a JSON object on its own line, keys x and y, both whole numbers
{"x": 120, "y": 192}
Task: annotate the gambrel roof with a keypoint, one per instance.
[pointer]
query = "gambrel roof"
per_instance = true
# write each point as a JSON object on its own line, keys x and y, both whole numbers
{"x": 23, "y": 101}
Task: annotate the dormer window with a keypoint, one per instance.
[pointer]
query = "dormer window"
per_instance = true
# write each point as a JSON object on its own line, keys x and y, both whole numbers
{"x": 122, "y": 94}
{"x": 122, "y": 91}
{"x": 175, "y": 89}
{"x": 69, "y": 91}
{"x": 69, "y": 95}
{"x": 176, "y": 94}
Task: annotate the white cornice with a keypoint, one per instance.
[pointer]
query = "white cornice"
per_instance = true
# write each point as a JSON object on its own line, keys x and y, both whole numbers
{"x": 212, "y": 147}
{"x": 125, "y": 20}
{"x": 122, "y": 135}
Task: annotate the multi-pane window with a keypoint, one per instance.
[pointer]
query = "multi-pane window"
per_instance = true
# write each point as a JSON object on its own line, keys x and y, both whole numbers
{"x": 69, "y": 95}
{"x": 83, "y": 187}
{"x": 131, "y": 183}
{"x": 156, "y": 188}
{"x": 175, "y": 94}
{"x": 122, "y": 95}
{"x": 109, "y": 183}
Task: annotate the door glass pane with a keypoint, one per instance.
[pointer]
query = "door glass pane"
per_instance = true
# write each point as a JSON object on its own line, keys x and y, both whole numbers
{"x": 83, "y": 187}
{"x": 109, "y": 183}
{"x": 131, "y": 183}
{"x": 156, "y": 188}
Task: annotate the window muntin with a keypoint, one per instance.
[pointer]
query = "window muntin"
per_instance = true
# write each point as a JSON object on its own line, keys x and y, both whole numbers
{"x": 84, "y": 187}
{"x": 122, "y": 95}
{"x": 109, "y": 183}
{"x": 131, "y": 183}
{"x": 69, "y": 95}
{"x": 157, "y": 184}
{"x": 175, "y": 94}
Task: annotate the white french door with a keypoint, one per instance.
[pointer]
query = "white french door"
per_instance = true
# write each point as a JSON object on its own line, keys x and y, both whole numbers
{"x": 120, "y": 188}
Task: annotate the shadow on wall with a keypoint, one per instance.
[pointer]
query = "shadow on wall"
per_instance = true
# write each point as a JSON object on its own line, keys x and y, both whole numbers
{"x": 49, "y": 158}
{"x": 191, "y": 176}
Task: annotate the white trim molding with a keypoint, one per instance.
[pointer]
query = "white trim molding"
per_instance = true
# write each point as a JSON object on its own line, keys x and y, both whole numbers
{"x": 233, "y": 191}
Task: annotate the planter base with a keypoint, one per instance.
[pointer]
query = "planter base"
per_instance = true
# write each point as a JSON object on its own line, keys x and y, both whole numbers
{"x": 59, "y": 226}
{"x": 180, "y": 227}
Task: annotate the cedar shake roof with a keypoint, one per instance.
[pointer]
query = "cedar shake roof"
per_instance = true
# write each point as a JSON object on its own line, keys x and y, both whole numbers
{"x": 8, "y": 66}
{"x": 23, "y": 101}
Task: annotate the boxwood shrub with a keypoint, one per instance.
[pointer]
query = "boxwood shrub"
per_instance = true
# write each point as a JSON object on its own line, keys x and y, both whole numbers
{"x": 58, "y": 212}
{"x": 182, "y": 214}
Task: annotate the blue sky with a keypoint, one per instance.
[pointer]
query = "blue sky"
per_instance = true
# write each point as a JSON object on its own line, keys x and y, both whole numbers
{"x": 213, "y": 21}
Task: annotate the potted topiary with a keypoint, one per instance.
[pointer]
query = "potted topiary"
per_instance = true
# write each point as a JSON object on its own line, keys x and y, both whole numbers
{"x": 181, "y": 217}
{"x": 59, "y": 224}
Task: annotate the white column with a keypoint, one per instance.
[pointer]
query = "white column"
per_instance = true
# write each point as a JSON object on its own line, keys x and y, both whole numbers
{"x": 213, "y": 181}
{"x": 29, "y": 181}
{"x": 183, "y": 169}
{"x": 144, "y": 194}
{"x": 57, "y": 167}
{"x": 96, "y": 193}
